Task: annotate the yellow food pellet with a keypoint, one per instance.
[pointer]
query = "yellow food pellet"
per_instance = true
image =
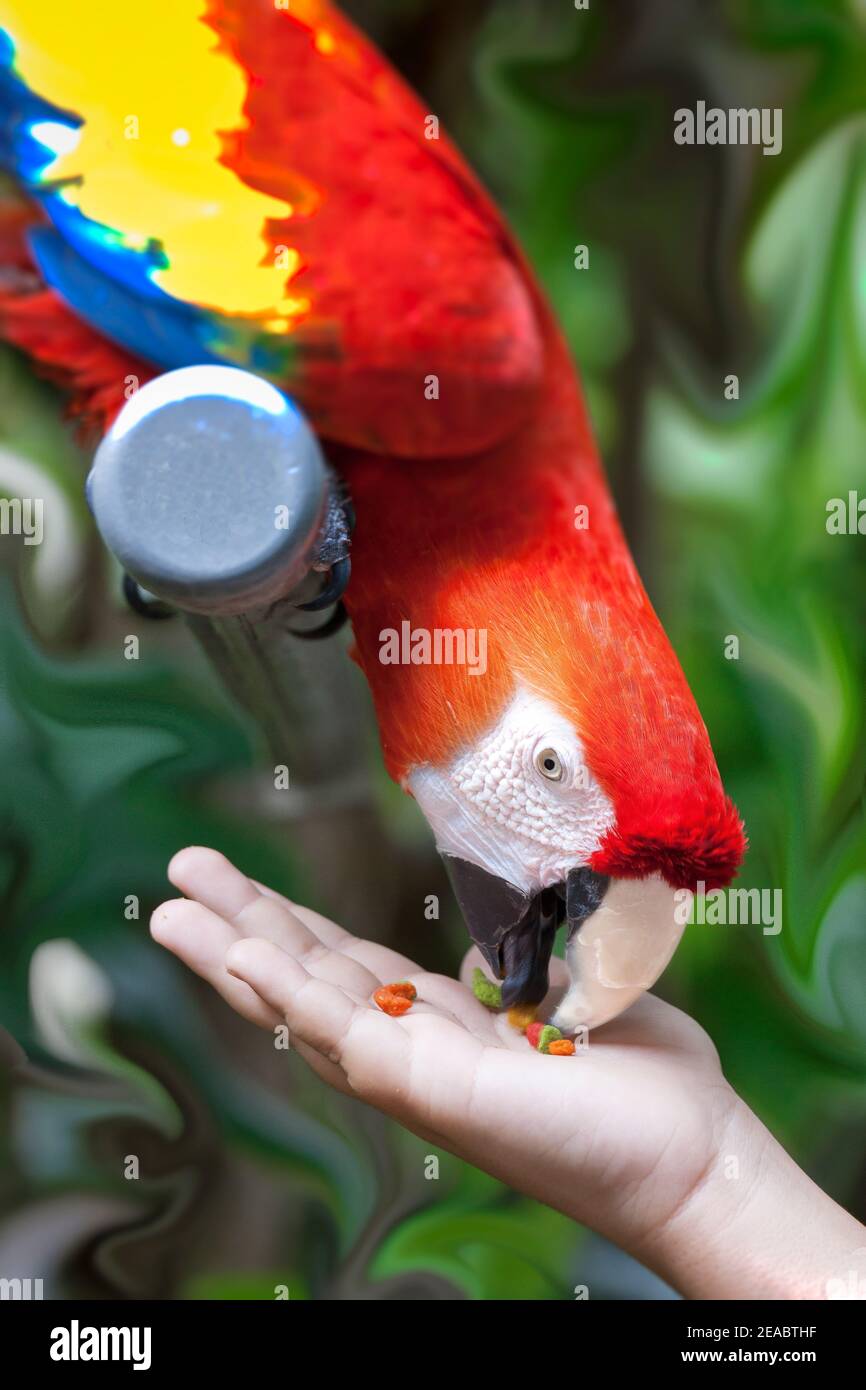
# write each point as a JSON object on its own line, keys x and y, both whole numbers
{"x": 521, "y": 1015}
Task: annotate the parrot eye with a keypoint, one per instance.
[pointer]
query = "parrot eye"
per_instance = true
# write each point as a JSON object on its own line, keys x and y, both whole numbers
{"x": 549, "y": 764}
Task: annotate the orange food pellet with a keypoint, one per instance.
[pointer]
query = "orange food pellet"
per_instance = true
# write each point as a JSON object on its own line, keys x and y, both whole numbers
{"x": 561, "y": 1047}
{"x": 391, "y": 1003}
{"x": 404, "y": 988}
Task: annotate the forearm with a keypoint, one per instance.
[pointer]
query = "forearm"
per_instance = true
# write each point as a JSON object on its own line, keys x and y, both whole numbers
{"x": 756, "y": 1227}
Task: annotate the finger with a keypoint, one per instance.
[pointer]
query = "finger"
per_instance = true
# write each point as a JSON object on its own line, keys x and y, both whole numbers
{"x": 211, "y": 879}
{"x": 322, "y": 927}
{"x": 326, "y": 1071}
{"x": 383, "y": 962}
{"x": 418, "y": 1068}
{"x": 200, "y": 938}
{"x": 334, "y": 1076}
{"x": 207, "y": 877}
{"x": 322, "y": 1015}
{"x": 380, "y": 960}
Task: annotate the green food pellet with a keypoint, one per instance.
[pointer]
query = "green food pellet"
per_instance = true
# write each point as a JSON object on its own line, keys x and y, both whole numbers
{"x": 486, "y": 991}
{"x": 547, "y": 1035}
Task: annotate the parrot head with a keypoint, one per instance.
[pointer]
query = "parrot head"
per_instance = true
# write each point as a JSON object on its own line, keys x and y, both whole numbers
{"x": 536, "y": 832}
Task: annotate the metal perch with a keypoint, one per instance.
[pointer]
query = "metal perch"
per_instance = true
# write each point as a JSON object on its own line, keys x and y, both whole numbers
{"x": 212, "y": 492}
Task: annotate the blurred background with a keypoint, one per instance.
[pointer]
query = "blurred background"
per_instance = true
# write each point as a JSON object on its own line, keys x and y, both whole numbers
{"x": 703, "y": 262}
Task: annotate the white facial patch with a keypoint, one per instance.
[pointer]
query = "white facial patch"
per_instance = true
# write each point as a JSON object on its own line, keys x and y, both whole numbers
{"x": 521, "y": 802}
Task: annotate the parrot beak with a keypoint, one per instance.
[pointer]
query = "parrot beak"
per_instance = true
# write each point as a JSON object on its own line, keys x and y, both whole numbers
{"x": 624, "y": 946}
{"x": 492, "y": 907}
{"x": 514, "y": 930}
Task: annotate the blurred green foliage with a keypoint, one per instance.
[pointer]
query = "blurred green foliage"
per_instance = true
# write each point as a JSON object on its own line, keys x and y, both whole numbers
{"x": 703, "y": 263}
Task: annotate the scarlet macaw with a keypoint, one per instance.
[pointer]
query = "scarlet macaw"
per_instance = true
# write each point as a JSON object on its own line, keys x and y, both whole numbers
{"x": 251, "y": 184}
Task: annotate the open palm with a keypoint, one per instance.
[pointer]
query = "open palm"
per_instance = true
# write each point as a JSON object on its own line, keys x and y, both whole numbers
{"x": 617, "y": 1136}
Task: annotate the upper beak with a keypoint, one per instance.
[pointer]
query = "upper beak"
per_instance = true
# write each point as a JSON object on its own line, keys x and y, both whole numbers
{"x": 514, "y": 930}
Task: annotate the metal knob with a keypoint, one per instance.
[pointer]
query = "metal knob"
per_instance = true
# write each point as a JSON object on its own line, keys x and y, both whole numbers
{"x": 211, "y": 490}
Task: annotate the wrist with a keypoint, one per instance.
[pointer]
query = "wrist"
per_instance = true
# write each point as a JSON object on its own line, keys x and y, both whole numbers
{"x": 755, "y": 1226}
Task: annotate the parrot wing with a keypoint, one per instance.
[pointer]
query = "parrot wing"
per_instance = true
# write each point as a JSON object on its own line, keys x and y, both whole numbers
{"x": 252, "y": 184}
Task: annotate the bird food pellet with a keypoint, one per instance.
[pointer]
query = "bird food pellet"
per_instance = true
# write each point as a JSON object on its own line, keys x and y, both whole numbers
{"x": 404, "y": 988}
{"x": 396, "y": 999}
{"x": 521, "y": 1015}
{"x": 545, "y": 1038}
{"x": 486, "y": 991}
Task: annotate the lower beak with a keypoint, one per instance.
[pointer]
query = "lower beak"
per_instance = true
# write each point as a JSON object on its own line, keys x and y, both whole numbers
{"x": 514, "y": 930}
{"x": 621, "y": 951}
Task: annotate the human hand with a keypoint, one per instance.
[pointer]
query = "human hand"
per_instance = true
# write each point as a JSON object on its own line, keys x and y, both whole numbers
{"x": 628, "y": 1135}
